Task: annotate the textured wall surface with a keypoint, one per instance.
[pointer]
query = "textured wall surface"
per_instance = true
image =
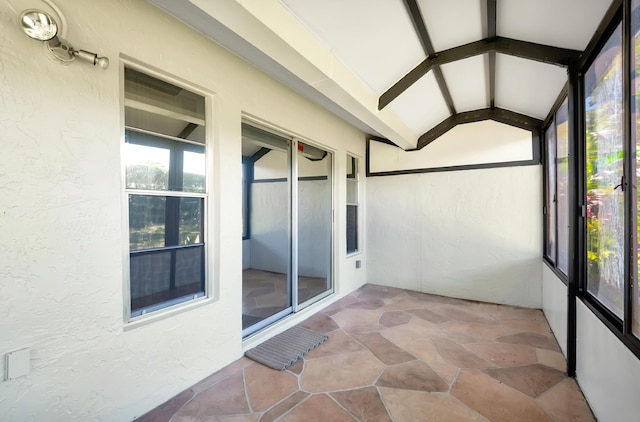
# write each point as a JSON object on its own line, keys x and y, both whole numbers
{"x": 472, "y": 143}
{"x": 608, "y": 373}
{"x": 472, "y": 234}
{"x": 554, "y": 305}
{"x": 63, "y": 247}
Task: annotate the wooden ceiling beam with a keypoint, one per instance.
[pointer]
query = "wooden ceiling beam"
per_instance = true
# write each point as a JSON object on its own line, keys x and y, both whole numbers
{"x": 497, "y": 114}
{"x": 523, "y": 49}
{"x": 425, "y": 40}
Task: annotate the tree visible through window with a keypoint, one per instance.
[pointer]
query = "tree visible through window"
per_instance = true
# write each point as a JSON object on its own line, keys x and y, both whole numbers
{"x": 604, "y": 170}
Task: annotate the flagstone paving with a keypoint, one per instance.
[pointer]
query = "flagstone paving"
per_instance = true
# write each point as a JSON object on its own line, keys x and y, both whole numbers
{"x": 398, "y": 355}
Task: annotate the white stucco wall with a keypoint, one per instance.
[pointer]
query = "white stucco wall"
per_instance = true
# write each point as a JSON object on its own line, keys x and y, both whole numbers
{"x": 554, "y": 305}
{"x": 63, "y": 244}
{"x": 474, "y": 234}
{"x": 608, "y": 373}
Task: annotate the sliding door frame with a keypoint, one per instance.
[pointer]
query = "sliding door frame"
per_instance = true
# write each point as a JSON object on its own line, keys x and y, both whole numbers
{"x": 293, "y": 224}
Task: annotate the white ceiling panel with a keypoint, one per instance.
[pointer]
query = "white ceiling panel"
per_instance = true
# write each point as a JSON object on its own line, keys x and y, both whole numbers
{"x": 467, "y": 82}
{"x": 453, "y": 22}
{"x": 376, "y": 40}
{"x": 527, "y": 86}
{"x": 421, "y": 107}
{"x": 561, "y": 23}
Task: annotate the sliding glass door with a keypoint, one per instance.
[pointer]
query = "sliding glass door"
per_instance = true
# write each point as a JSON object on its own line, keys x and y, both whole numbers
{"x": 314, "y": 210}
{"x": 287, "y": 226}
{"x": 266, "y": 276}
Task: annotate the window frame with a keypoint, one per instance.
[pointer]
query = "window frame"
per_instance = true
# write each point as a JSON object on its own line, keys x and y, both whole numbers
{"x": 551, "y": 121}
{"x": 358, "y": 204}
{"x": 619, "y": 14}
{"x": 174, "y": 306}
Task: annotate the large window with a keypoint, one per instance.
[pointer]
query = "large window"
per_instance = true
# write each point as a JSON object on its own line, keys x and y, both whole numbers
{"x": 604, "y": 149}
{"x": 164, "y": 158}
{"x": 556, "y": 199}
{"x": 635, "y": 166}
{"x": 352, "y": 204}
{"x": 609, "y": 146}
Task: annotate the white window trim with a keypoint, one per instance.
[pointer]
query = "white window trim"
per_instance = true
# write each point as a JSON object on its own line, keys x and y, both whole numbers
{"x": 210, "y": 227}
{"x": 360, "y": 231}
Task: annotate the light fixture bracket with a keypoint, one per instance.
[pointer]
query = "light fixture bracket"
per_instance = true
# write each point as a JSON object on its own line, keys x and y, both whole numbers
{"x": 41, "y": 26}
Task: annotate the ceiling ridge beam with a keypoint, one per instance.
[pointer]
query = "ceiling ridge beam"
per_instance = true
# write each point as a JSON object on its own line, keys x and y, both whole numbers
{"x": 425, "y": 40}
{"x": 523, "y": 49}
{"x": 497, "y": 114}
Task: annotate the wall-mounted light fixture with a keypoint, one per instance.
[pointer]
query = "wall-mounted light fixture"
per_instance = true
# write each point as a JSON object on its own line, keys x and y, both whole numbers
{"x": 41, "y": 26}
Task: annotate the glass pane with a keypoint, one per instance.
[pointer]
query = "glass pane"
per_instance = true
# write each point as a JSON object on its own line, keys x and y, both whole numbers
{"x": 352, "y": 204}
{"x": 352, "y": 191}
{"x": 266, "y": 254}
{"x": 604, "y": 170}
{"x": 191, "y": 221}
{"x": 352, "y": 228}
{"x": 314, "y": 222}
{"x": 352, "y": 180}
{"x": 193, "y": 168}
{"x": 550, "y": 201}
{"x": 151, "y": 277}
{"x": 156, "y": 163}
{"x": 160, "y": 107}
{"x": 147, "y": 225}
{"x": 147, "y": 167}
{"x": 562, "y": 167}
{"x": 635, "y": 138}
{"x": 189, "y": 270}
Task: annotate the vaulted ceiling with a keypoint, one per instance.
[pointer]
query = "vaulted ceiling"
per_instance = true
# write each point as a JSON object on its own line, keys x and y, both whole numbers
{"x": 408, "y": 70}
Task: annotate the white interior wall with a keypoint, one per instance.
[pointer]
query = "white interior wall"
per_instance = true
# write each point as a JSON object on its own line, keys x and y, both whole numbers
{"x": 554, "y": 305}
{"x": 608, "y": 373}
{"x": 467, "y": 144}
{"x": 63, "y": 249}
{"x": 472, "y": 234}
{"x": 269, "y": 243}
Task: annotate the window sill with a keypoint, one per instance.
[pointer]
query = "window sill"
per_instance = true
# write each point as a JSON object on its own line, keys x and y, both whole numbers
{"x": 613, "y": 323}
{"x": 146, "y": 319}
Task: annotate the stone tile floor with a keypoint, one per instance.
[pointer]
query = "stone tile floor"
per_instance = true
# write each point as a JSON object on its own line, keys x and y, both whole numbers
{"x": 398, "y": 355}
{"x": 266, "y": 293}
